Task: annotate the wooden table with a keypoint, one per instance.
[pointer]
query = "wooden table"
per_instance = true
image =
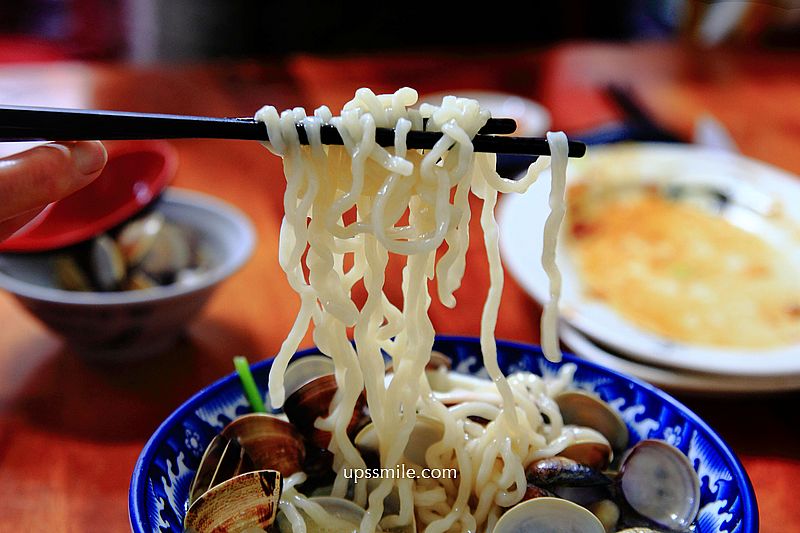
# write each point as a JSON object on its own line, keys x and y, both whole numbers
{"x": 71, "y": 431}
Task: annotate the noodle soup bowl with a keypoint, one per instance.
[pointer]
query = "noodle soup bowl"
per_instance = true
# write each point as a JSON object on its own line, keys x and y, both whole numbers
{"x": 162, "y": 476}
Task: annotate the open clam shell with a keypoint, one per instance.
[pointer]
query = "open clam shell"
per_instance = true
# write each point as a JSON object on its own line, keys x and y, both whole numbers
{"x": 108, "y": 263}
{"x": 589, "y": 447}
{"x": 147, "y": 252}
{"x": 659, "y": 484}
{"x": 452, "y": 388}
{"x": 306, "y": 369}
{"x": 222, "y": 460}
{"x": 137, "y": 238}
{"x": 249, "y": 443}
{"x": 553, "y": 515}
{"x": 271, "y": 443}
{"x": 248, "y": 500}
{"x": 170, "y": 252}
{"x": 312, "y": 401}
{"x": 580, "y": 408}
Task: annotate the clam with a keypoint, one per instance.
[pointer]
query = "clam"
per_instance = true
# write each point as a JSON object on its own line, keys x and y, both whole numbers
{"x": 607, "y": 512}
{"x": 147, "y": 252}
{"x": 108, "y": 264}
{"x": 568, "y": 479}
{"x": 306, "y": 369}
{"x": 551, "y": 515}
{"x": 537, "y": 492}
{"x": 170, "y": 253}
{"x": 580, "y": 408}
{"x": 347, "y": 517}
{"x": 556, "y": 471}
{"x": 249, "y": 500}
{"x": 303, "y": 370}
{"x": 222, "y": 460}
{"x": 313, "y": 400}
{"x": 138, "y": 281}
{"x": 271, "y": 443}
{"x": 589, "y": 448}
{"x": 427, "y": 431}
{"x": 437, "y": 360}
{"x": 659, "y": 484}
{"x": 452, "y": 388}
{"x": 69, "y": 275}
{"x": 137, "y": 238}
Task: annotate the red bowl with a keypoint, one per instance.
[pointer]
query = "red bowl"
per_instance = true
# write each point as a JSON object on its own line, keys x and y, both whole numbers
{"x": 135, "y": 175}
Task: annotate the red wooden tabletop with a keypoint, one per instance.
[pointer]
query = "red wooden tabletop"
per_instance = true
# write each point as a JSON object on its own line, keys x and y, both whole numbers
{"x": 70, "y": 431}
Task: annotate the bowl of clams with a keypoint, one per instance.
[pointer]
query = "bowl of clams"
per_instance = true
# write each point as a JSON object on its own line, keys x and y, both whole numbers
{"x": 129, "y": 291}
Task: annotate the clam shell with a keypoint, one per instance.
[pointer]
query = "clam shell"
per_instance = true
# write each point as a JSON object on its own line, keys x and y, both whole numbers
{"x": 537, "y": 492}
{"x": 69, "y": 275}
{"x": 589, "y": 448}
{"x": 452, "y": 388}
{"x": 607, "y": 512}
{"x": 222, "y": 460}
{"x": 658, "y": 482}
{"x": 170, "y": 253}
{"x": 557, "y": 471}
{"x": 271, "y": 443}
{"x": 437, "y": 360}
{"x": 306, "y": 369}
{"x": 313, "y": 400}
{"x": 138, "y": 281}
{"x": 107, "y": 263}
{"x": 553, "y": 515}
{"x": 138, "y": 237}
{"x": 579, "y": 408}
{"x": 246, "y": 501}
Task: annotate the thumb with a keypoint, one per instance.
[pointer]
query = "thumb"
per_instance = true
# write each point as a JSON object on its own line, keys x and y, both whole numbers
{"x": 47, "y": 173}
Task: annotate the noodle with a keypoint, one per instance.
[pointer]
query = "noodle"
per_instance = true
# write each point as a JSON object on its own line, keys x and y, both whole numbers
{"x": 409, "y": 203}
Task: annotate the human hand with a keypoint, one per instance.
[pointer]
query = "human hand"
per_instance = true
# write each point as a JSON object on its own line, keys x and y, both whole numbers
{"x": 31, "y": 180}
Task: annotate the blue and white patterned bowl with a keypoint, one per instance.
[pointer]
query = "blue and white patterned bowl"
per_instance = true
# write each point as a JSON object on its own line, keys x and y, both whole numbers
{"x": 160, "y": 484}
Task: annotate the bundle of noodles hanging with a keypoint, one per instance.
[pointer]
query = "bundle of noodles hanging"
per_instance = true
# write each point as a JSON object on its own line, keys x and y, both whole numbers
{"x": 409, "y": 203}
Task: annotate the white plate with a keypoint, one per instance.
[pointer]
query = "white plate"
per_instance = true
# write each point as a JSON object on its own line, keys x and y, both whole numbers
{"x": 758, "y": 187}
{"x": 532, "y": 118}
{"x": 672, "y": 379}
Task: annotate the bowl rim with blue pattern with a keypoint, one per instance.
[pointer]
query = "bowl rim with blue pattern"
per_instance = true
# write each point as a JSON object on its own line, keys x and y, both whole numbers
{"x": 728, "y": 502}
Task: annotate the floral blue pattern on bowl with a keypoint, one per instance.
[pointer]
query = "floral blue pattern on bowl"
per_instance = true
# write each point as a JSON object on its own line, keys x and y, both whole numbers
{"x": 162, "y": 475}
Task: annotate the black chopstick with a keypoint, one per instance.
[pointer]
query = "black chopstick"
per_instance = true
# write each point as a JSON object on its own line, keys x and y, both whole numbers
{"x": 640, "y": 124}
{"x": 42, "y": 123}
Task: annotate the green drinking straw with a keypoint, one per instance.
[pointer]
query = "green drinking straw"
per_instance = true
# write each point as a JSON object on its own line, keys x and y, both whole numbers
{"x": 249, "y": 384}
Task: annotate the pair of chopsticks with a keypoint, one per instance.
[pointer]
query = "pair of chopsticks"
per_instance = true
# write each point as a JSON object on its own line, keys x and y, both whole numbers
{"x": 43, "y": 123}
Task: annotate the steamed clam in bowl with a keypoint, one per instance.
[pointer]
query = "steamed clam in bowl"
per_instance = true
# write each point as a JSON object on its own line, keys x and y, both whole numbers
{"x": 647, "y": 462}
{"x": 130, "y": 293}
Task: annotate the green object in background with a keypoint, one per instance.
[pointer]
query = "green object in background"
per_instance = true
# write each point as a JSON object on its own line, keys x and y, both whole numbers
{"x": 249, "y": 384}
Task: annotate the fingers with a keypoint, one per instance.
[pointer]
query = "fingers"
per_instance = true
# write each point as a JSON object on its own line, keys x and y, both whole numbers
{"x": 35, "y": 178}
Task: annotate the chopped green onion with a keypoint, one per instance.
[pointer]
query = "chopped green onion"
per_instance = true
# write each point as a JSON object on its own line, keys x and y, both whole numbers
{"x": 249, "y": 384}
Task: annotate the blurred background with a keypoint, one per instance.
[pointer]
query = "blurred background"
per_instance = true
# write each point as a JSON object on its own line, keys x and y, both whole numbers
{"x": 724, "y": 75}
{"x": 147, "y": 31}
